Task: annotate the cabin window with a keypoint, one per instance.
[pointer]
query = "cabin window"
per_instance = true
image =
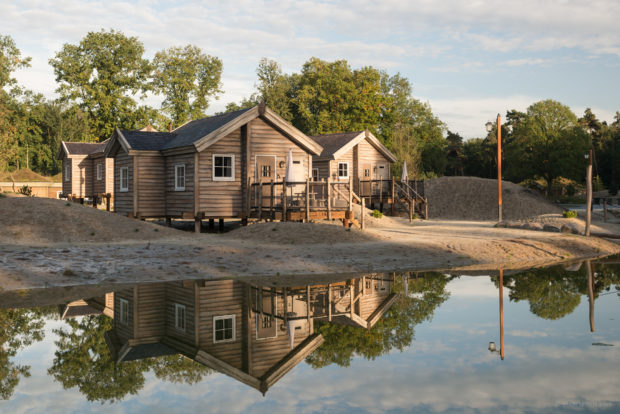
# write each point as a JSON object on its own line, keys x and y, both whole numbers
{"x": 224, "y": 167}
{"x": 67, "y": 173}
{"x": 179, "y": 177}
{"x": 124, "y": 311}
{"x": 224, "y": 328}
{"x": 315, "y": 174}
{"x": 179, "y": 317}
{"x": 366, "y": 172}
{"x": 124, "y": 179}
{"x": 343, "y": 170}
{"x": 265, "y": 171}
{"x": 99, "y": 172}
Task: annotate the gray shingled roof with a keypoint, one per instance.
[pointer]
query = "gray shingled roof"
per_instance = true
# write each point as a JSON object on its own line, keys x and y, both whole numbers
{"x": 85, "y": 148}
{"x": 183, "y": 136}
{"x": 148, "y": 141}
{"x": 333, "y": 142}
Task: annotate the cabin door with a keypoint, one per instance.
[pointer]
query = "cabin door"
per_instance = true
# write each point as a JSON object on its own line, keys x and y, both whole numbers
{"x": 265, "y": 172}
{"x": 383, "y": 174}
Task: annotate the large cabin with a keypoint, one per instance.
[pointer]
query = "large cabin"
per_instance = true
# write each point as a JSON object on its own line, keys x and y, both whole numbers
{"x": 253, "y": 334}
{"x": 86, "y": 172}
{"x": 358, "y": 155}
{"x": 203, "y": 168}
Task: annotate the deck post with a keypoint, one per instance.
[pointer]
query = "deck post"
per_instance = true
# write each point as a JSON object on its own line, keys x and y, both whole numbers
{"x": 605, "y": 210}
{"x": 271, "y": 215}
{"x": 211, "y": 224}
{"x": 307, "y": 200}
{"x": 381, "y": 192}
{"x": 329, "y": 199}
{"x": 197, "y": 224}
{"x": 329, "y": 302}
{"x": 393, "y": 196}
{"x": 411, "y": 207}
{"x": 260, "y": 200}
{"x": 350, "y": 193}
{"x": 363, "y": 213}
{"x": 108, "y": 196}
{"x": 94, "y": 201}
{"x": 426, "y": 208}
{"x": 221, "y": 225}
{"x": 169, "y": 221}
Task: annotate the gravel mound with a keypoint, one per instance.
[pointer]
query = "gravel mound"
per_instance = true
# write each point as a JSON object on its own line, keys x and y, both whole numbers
{"x": 25, "y": 220}
{"x": 473, "y": 198}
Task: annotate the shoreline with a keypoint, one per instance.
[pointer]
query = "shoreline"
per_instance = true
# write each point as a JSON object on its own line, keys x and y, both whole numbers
{"x": 434, "y": 245}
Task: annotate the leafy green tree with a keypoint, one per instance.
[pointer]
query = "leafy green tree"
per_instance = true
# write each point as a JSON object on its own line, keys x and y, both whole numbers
{"x": 479, "y": 158}
{"x": 187, "y": 78}
{"x": 10, "y": 60}
{"x": 394, "y": 331}
{"x": 178, "y": 369}
{"x": 19, "y": 328}
{"x": 455, "y": 154}
{"x": 274, "y": 88}
{"x": 547, "y": 143}
{"x": 82, "y": 360}
{"x": 102, "y": 74}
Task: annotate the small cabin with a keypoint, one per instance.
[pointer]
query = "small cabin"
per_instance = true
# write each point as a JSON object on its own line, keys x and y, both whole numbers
{"x": 253, "y": 334}
{"x": 357, "y": 155}
{"x": 86, "y": 172}
{"x": 203, "y": 169}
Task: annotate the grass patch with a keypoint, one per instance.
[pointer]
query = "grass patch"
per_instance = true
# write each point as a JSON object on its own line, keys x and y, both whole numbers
{"x": 377, "y": 214}
{"x": 569, "y": 213}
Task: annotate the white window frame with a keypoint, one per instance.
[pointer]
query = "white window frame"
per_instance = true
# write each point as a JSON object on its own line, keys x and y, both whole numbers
{"x": 177, "y": 308}
{"x": 99, "y": 172}
{"x": 232, "y": 177}
{"x": 177, "y": 176}
{"x": 120, "y": 179}
{"x": 123, "y": 315}
{"x": 343, "y": 177}
{"x": 67, "y": 173}
{"x": 234, "y": 328}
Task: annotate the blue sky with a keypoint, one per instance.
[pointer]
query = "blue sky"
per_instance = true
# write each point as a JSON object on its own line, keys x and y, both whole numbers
{"x": 469, "y": 60}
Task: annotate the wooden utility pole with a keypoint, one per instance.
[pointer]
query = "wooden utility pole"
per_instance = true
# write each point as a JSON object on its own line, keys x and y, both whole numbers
{"x": 499, "y": 166}
{"x": 589, "y": 194}
{"x": 588, "y": 266}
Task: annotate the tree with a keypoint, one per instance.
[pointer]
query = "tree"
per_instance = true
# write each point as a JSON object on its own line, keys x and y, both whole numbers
{"x": 187, "y": 78}
{"x": 455, "y": 154}
{"x": 10, "y": 60}
{"x": 547, "y": 143}
{"x": 102, "y": 74}
{"x": 274, "y": 88}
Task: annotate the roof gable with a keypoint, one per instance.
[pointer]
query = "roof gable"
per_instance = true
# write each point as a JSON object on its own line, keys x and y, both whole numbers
{"x": 336, "y": 145}
{"x": 79, "y": 148}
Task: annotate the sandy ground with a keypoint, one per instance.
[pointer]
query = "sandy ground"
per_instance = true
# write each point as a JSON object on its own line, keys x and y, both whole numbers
{"x": 48, "y": 243}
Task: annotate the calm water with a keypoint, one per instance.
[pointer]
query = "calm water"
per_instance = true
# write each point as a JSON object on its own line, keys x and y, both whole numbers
{"x": 382, "y": 343}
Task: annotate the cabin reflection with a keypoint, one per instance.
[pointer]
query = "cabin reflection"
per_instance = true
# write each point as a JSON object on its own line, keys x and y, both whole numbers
{"x": 254, "y": 334}
{"x": 103, "y": 305}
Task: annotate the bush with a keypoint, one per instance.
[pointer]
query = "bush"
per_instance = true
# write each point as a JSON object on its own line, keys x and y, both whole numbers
{"x": 377, "y": 214}
{"x": 569, "y": 214}
{"x": 570, "y": 190}
{"x": 25, "y": 190}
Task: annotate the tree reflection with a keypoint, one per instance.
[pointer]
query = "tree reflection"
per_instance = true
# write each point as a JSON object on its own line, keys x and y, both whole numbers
{"x": 555, "y": 292}
{"x": 19, "y": 328}
{"x": 82, "y": 360}
{"x": 394, "y": 331}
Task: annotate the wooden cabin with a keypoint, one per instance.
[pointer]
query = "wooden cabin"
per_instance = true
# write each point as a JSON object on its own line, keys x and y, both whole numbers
{"x": 86, "y": 171}
{"x": 202, "y": 169}
{"x": 253, "y": 334}
{"x": 359, "y": 155}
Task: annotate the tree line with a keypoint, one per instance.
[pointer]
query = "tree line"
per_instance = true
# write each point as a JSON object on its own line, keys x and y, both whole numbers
{"x": 103, "y": 82}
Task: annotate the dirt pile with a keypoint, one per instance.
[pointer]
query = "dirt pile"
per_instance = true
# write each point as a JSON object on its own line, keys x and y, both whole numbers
{"x": 472, "y": 198}
{"x": 299, "y": 233}
{"x": 30, "y": 220}
{"x": 27, "y": 175}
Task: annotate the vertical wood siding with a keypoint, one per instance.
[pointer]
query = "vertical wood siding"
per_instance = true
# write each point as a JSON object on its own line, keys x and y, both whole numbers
{"x": 123, "y": 201}
{"x": 151, "y": 312}
{"x": 151, "y": 187}
{"x": 178, "y": 202}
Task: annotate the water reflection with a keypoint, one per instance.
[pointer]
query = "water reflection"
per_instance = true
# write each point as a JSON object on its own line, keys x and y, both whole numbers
{"x": 109, "y": 344}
